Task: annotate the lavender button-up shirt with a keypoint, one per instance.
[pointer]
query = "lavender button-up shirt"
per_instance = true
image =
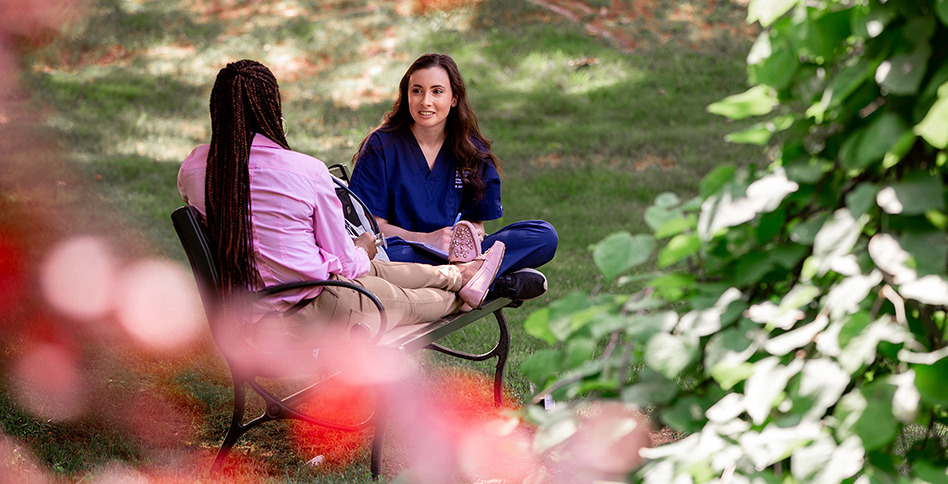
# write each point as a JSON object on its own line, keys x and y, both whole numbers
{"x": 299, "y": 233}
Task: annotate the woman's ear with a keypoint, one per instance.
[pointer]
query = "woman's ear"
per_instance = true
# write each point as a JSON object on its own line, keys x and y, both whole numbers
{"x": 454, "y": 101}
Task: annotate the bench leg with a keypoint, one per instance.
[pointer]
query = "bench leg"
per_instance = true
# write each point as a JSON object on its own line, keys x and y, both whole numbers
{"x": 236, "y": 427}
{"x": 381, "y": 420}
{"x": 501, "y": 351}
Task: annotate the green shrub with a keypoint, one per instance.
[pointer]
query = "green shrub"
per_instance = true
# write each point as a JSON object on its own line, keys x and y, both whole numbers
{"x": 795, "y": 325}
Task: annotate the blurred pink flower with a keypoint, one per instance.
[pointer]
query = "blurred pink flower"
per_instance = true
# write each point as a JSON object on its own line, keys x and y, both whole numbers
{"x": 48, "y": 382}
{"x": 607, "y": 441}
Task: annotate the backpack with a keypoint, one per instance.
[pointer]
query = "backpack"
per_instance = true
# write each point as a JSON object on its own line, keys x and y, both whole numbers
{"x": 358, "y": 218}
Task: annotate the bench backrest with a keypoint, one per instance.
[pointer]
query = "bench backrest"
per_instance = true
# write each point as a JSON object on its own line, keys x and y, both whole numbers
{"x": 197, "y": 245}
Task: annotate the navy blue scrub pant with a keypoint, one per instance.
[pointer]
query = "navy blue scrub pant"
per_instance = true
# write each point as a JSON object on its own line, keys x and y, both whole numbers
{"x": 528, "y": 243}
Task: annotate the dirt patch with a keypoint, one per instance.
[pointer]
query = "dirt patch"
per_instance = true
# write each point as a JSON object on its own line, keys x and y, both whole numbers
{"x": 640, "y": 24}
{"x": 665, "y": 162}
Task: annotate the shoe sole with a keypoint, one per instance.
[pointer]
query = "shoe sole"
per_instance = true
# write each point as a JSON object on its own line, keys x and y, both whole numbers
{"x": 464, "y": 244}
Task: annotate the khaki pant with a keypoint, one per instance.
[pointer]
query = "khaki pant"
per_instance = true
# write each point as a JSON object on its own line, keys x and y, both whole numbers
{"x": 410, "y": 293}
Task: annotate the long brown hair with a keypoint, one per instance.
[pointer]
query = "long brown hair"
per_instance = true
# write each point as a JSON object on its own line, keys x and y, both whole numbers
{"x": 463, "y": 133}
{"x": 245, "y": 100}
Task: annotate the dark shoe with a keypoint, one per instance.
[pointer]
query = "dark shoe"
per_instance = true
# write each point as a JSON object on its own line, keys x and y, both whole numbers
{"x": 520, "y": 285}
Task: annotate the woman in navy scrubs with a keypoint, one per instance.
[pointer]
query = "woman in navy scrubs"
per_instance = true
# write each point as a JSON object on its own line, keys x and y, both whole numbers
{"x": 427, "y": 166}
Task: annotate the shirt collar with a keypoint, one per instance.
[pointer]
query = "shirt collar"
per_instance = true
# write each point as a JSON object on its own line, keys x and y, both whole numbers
{"x": 262, "y": 141}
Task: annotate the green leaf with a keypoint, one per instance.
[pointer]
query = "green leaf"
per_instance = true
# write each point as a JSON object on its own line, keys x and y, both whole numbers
{"x": 767, "y": 11}
{"x": 537, "y": 325}
{"x": 884, "y": 132}
{"x": 919, "y": 193}
{"x": 760, "y": 133}
{"x": 756, "y": 101}
{"x": 848, "y": 81}
{"x": 930, "y": 250}
{"x": 751, "y": 268}
{"x": 672, "y": 287}
{"x": 870, "y": 22}
{"x": 941, "y": 9}
{"x": 899, "y": 149}
{"x": 807, "y": 171}
{"x": 667, "y": 200}
{"x": 771, "y": 61}
{"x": 937, "y": 218}
{"x": 927, "y": 96}
{"x": 877, "y": 425}
{"x": 687, "y": 414}
{"x": 578, "y": 351}
{"x": 932, "y": 127}
{"x": 651, "y": 389}
{"x": 729, "y": 375}
{"x": 678, "y": 248}
{"x": 788, "y": 255}
{"x": 670, "y": 354}
{"x": 848, "y": 411}
{"x": 621, "y": 251}
{"x": 930, "y": 381}
{"x": 861, "y": 199}
{"x": 566, "y": 324}
{"x": 853, "y": 327}
{"x": 804, "y": 232}
{"x": 713, "y": 181}
{"x": 918, "y": 29}
{"x": 656, "y": 216}
{"x": 562, "y": 312}
{"x": 867, "y": 412}
{"x": 927, "y": 472}
{"x": 770, "y": 225}
{"x": 605, "y": 323}
{"x": 726, "y": 350}
{"x": 542, "y": 365}
{"x": 676, "y": 226}
{"x": 902, "y": 74}
{"x": 587, "y": 386}
{"x": 692, "y": 204}
{"x": 817, "y": 38}
{"x": 641, "y": 327}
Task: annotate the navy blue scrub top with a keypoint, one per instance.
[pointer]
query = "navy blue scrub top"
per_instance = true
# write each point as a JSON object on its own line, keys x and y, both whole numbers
{"x": 391, "y": 176}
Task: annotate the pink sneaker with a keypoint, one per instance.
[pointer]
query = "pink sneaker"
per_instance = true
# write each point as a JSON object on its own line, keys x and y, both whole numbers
{"x": 465, "y": 243}
{"x": 474, "y": 292}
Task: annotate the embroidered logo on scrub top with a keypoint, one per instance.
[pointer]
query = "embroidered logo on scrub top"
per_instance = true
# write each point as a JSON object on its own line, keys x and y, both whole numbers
{"x": 458, "y": 181}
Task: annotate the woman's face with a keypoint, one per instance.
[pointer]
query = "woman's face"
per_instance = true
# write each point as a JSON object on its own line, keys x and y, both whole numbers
{"x": 430, "y": 98}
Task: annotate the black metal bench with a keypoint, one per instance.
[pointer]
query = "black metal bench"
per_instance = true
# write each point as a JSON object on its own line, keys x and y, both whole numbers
{"x": 249, "y": 364}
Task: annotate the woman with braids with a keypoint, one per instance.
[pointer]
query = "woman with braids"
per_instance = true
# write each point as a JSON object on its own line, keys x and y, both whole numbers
{"x": 275, "y": 218}
{"x": 429, "y": 177}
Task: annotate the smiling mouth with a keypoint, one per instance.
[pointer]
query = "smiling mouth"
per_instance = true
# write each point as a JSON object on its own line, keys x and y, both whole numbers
{"x": 426, "y": 113}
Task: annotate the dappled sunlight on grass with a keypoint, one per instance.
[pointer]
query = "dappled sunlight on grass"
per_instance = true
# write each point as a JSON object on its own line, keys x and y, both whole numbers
{"x": 545, "y": 70}
{"x": 588, "y": 135}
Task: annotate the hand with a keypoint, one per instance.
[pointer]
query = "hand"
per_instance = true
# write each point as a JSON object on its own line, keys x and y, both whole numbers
{"x": 367, "y": 242}
{"x": 440, "y": 239}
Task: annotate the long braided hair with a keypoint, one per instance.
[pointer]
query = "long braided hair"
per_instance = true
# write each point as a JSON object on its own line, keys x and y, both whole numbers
{"x": 462, "y": 129}
{"x": 245, "y": 100}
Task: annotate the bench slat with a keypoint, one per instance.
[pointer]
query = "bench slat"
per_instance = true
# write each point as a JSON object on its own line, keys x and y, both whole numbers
{"x": 411, "y": 338}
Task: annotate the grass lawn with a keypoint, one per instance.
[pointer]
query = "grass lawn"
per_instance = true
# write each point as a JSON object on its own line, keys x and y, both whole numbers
{"x": 592, "y": 111}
